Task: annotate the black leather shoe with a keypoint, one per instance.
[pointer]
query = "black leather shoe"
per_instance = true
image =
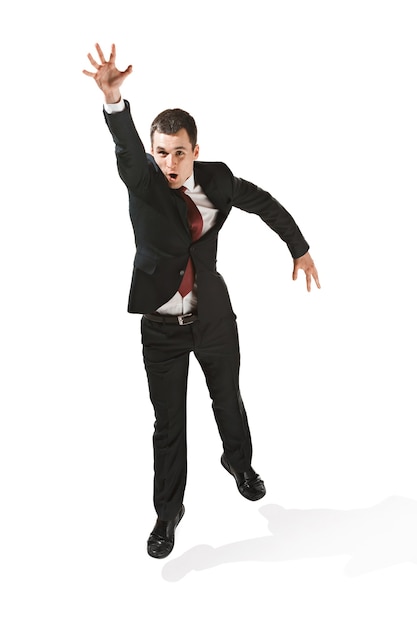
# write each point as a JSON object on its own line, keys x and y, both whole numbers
{"x": 161, "y": 539}
{"x": 250, "y": 484}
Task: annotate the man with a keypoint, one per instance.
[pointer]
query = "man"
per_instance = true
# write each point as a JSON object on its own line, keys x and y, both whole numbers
{"x": 177, "y": 207}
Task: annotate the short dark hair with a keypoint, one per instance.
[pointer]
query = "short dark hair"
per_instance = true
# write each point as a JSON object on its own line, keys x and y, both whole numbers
{"x": 170, "y": 121}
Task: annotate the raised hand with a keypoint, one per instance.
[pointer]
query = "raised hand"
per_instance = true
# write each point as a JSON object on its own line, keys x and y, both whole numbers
{"x": 108, "y": 77}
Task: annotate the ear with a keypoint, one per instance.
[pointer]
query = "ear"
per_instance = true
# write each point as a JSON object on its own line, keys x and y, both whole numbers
{"x": 196, "y": 151}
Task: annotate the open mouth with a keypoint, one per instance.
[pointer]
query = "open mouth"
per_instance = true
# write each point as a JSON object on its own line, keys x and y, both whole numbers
{"x": 172, "y": 176}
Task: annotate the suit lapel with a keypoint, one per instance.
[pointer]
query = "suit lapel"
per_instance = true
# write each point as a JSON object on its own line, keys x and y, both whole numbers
{"x": 206, "y": 175}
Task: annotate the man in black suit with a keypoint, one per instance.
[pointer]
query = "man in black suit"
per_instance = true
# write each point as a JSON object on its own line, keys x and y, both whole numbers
{"x": 177, "y": 207}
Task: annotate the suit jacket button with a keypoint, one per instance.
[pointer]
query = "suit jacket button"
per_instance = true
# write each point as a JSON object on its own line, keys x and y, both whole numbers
{"x": 182, "y": 272}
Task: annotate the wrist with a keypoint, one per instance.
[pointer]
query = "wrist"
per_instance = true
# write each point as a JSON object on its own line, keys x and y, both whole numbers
{"x": 112, "y": 97}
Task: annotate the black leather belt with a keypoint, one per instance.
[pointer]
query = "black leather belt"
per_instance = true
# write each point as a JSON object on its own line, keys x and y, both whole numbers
{"x": 180, "y": 320}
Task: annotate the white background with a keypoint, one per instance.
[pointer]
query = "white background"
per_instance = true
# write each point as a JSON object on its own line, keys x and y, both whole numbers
{"x": 315, "y": 102}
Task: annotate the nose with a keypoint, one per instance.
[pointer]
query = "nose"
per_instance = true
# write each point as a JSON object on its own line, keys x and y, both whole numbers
{"x": 171, "y": 160}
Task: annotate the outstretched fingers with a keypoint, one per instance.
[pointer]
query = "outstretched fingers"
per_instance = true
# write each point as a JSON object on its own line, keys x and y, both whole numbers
{"x": 128, "y": 71}
{"x": 93, "y": 61}
{"x": 112, "y": 58}
{"x": 110, "y": 62}
{"x": 100, "y": 53}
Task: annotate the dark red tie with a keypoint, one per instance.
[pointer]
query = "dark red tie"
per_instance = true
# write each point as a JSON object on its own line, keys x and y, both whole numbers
{"x": 195, "y": 222}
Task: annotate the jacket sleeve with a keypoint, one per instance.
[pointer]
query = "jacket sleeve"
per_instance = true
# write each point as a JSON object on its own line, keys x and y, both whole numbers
{"x": 253, "y": 199}
{"x": 132, "y": 161}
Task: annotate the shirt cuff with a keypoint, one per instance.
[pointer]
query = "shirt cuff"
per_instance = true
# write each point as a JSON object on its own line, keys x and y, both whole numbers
{"x": 114, "y": 108}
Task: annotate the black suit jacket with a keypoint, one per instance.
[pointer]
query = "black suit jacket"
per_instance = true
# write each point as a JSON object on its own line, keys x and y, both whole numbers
{"x": 162, "y": 236}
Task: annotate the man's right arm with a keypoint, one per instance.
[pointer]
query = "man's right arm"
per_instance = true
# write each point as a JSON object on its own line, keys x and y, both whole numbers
{"x": 131, "y": 156}
{"x": 132, "y": 162}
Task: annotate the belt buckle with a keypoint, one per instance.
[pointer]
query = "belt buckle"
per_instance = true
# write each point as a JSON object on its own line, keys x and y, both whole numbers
{"x": 181, "y": 321}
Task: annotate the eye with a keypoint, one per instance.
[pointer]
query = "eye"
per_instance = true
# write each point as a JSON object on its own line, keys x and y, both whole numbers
{"x": 180, "y": 153}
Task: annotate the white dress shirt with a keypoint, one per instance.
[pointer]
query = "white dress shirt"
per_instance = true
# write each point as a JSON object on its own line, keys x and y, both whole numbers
{"x": 179, "y": 305}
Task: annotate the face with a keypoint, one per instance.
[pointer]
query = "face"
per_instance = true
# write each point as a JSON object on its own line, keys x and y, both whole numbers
{"x": 175, "y": 156}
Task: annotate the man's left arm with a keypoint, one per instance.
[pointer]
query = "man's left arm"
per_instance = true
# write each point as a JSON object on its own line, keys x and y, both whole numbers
{"x": 253, "y": 199}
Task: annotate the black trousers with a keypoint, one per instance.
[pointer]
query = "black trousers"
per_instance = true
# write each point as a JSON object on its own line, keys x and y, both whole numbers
{"x": 166, "y": 352}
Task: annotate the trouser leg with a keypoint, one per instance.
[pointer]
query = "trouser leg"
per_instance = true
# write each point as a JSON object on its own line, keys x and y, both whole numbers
{"x": 166, "y": 357}
{"x": 217, "y": 350}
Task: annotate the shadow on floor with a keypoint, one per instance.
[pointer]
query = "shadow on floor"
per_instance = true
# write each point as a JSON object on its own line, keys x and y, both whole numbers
{"x": 373, "y": 538}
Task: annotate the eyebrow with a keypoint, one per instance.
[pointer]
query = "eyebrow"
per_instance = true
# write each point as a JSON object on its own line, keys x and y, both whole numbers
{"x": 176, "y": 148}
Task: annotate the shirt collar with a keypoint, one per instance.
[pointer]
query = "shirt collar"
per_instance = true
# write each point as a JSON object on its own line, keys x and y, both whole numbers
{"x": 190, "y": 183}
